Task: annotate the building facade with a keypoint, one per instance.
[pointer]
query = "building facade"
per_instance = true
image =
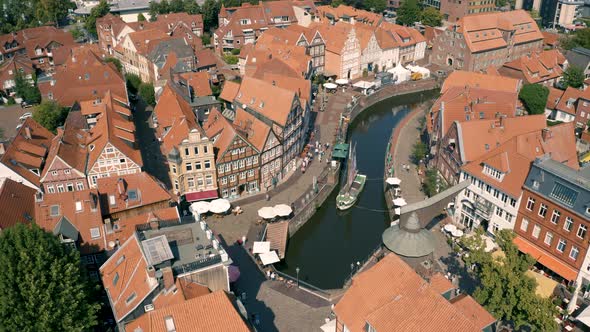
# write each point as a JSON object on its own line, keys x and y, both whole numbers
{"x": 454, "y": 10}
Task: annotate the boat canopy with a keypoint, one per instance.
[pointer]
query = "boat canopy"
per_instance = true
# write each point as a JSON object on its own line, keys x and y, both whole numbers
{"x": 340, "y": 151}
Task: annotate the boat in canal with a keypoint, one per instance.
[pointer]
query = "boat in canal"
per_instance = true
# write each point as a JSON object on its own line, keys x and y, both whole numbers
{"x": 355, "y": 183}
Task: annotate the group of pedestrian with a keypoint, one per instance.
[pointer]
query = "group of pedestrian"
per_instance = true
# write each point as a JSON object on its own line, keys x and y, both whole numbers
{"x": 406, "y": 167}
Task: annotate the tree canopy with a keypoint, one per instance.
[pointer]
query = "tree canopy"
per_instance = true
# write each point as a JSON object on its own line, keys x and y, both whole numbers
{"x": 377, "y": 6}
{"x": 580, "y": 38}
{"x": 116, "y": 62}
{"x": 42, "y": 286}
{"x": 408, "y": 12}
{"x": 50, "y": 115}
{"x": 20, "y": 14}
{"x": 173, "y": 6}
{"x": 534, "y": 98}
{"x": 146, "y": 92}
{"x": 573, "y": 76}
{"x": 431, "y": 17}
{"x": 210, "y": 12}
{"x": 133, "y": 82}
{"x": 96, "y": 12}
{"x": 419, "y": 151}
{"x": 26, "y": 89}
{"x": 505, "y": 290}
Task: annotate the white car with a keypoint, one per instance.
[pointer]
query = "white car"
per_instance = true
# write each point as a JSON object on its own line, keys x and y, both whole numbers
{"x": 18, "y": 126}
{"x": 25, "y": 116}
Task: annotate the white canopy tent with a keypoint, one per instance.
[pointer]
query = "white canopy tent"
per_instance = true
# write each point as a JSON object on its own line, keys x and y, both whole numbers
{"x": 342, "y": 81}
{"x": 200, "y": 207}
{"x": 267, "y": 212}
{"x": 400, "y": 74}
{"x": 399, "y": 202}
{"x": 397, "y": 211}
{"x": 584, "y": 317}
{"x": 417, "y": 69}
{"x": 282, "y": 210}
{"x": 261, "y": 247}
{"x": 330, "y": 326}
{"x": 364, "y": 86}
{"x": 270, "y": 257}
{"x": 330, "y": 86}
{"x": 219, "y": 205}
{"x": 393, "y": 181}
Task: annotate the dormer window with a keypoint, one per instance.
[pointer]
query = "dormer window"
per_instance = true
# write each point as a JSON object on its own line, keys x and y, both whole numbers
{"x": 493, "y": 172}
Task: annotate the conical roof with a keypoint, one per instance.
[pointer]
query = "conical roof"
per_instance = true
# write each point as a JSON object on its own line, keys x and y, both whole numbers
{"x": 409, "y": 240}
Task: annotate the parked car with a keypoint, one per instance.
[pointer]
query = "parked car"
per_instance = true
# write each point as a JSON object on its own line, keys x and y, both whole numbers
{"x": 25, "y": 116}
{"x": 24, "y": 104}
{"x": 18, "y": 126}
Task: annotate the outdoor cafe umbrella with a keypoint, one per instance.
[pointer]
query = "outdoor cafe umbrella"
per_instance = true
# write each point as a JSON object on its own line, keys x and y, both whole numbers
{"x": 450, "y": 228}
{"x": 399, "y": 202}
{"x": 219, "y": 205}
{"x": 330, "y": 86}
{"x": 342, "y": 81}
{"x": 457, "y": 233}
{"x": 200, "y": 207}
{"x": 233, "y": 273}
{"x": 393, "y": 181}
{"x": 267, "y": 212}
{"x": 282, "y": 210}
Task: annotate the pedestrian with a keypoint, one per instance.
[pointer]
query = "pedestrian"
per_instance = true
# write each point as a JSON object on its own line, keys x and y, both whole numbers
{"x": 267, "y": 197}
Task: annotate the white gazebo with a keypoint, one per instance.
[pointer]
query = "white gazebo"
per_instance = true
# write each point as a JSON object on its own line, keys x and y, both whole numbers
{"x": 417, "y": 69}
{"x": 364, "y": 86}
{"x": 400, "y": 74}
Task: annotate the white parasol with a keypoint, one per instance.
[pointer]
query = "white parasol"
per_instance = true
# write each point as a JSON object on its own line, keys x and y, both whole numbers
{"x": 393, "y": 181}
{"x": 267, "y": 212}
{"x": 330, "y": 86}
{"x": 398, "y": 211}
{"x": 219, "y": 205}
{"x": 342, "y": 81}
{"x": 261, "y": 247}
{"x": 200, "y": 207}
{"x": 399, "y": 202}
{"x": 450, "y": 228}
{"x": 282, "y": 210}
{"x": 269, "y": 257}
{"x": 457, "y": 233}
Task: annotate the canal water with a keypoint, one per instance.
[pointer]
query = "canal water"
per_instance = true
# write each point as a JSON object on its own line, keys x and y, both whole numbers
{"x": 326, "y": 246}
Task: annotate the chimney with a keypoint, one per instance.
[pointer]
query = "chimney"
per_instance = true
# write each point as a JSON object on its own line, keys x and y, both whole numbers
{"x": 168, "y": 277}
{"x": 502, "y": 118}
{"x": 2, "y": 149}
{"x": 154, "y": 224}
{"x": 151, "y": 271}
{"x": 27, "y": 132}
{"x": 546, "y": 134}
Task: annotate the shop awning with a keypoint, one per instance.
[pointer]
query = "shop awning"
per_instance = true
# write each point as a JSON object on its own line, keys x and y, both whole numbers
{"x": 201, "y": 195}
{"x": 545, "y": 259}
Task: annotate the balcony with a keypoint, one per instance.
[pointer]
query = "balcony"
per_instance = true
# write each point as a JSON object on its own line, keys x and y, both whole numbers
{"x": 483, "y": 208}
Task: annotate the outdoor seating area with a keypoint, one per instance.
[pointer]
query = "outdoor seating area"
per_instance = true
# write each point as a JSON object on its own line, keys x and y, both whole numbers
{"x": 217, "y": 208}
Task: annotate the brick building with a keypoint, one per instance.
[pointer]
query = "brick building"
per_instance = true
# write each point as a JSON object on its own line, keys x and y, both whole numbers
{"x": 553, "y": 219}
{"x": 454, "y": 10}
{"x": 476, "y": 42}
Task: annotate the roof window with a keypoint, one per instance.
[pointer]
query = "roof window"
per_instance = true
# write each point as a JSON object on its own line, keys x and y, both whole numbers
{"x": 170, "y": 327}
{"x": 116, "y": 279}
{"x": 54, "y": 210}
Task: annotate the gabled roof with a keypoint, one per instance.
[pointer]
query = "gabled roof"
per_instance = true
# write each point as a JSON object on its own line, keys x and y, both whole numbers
{"x": 113, "y": 126}
{"x": 125, "y": 278}
{"x": 335, "y": 35}
{"x": 28, "y": 150}
{"x": 516, "y": 155}
{"x": 300, "y": 86}
{"x": 390, "y": 296}
{"x": 270, "y": 101}
{"x": 479, "y": 80}
{"x": 328, "y": 13}
{"x": 17, "y": 203}
{"x": 221, "y": 131}
{"x": 567, "y": 101}
{"x": 229, "y": 91}
{"x": 126, "y": 227}
{"x": 130, "y": 191}
{"x": 78, "y": 217}
{"x": 39, "y": 37}
{"x": 251, "y": 128}
{"x": 537, "y": 67}
{"x": 69, "y": 144}
{"x": 10, "y": 67}
{"x": 84, "y": 76}
{"x": 473, "y": 311}
{"x": 211, "y": 312}
{"x": 404, "y": 36}
{"x": 145, "y": 41}
{"x": 199, "y": 81}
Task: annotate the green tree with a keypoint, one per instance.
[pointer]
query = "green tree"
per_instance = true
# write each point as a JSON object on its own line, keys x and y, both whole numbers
{"x": 97, "y": 12}
{"x": 146, "y": 92}
{"x": 505, "y": 290}
{"x": 431, "y": 17}
{"x": 27, "y": 90}
{"x": 408, "y": 12}
{"x": 50, "y": 115}
{"x": 210, "y": 11}
{"x": 419, "y": 151}
{"x": 573, "y": 76}
{"x": 141, "y": 18}
{"x": 133, "y": 82}
{"x": 116, "y": 62}
{"x": 164, "y": 7}
{"x": 191, "y": 7}
{"x": 377, "y": 6}
{"x": 77, "y": 33}
{"x": 20, "y": 14}
{"x": 176, "y": 6}
{"x": 153, "y": 9}
{"x": 501, "y": 3}
{"x": 206, "y": 38}
{"x": 534, "y": 98}
{"x": 230, "y": 59}
{"x": 432, "y": 185}
{"x": 42, "y": 286}
{"x": 582, "y": 38}
{"x": 336, "y": 3}
{"x": 235, "y": 51}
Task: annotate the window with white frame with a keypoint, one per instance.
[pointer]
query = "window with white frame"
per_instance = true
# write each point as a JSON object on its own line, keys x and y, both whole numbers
{"x": 67, "y": 171}
{"x": 173, "y": 169}
{"x": 227, "y": 167}
{"x": 542, "y": 210}
{"x": 536, "y": 231}
{"x": 189, "y": 167}
{"x": 548, "y": 238}
{"x": 249, "y": 161}
{"x": 60, "y": 188}
{"x": 555, "y": 217}
{"x": 499, "y": 212}
{"x": 569, "y": 224}
{"x": 208, "y": 180}
{"x": 232, "y": 178}
{"x": 574, "y": 252}
{"x": 207, "y": 164}
{"x": 242, "y": 175}
{"x": 242, "y": 163}
{"x": 561, "y": 245}
{"x": 582, "y": 229}
{"x": 79, "y": 186}
{"x": 54, "y": 173}
{"x": 220, "y": 169}
{"x": 200, "y": 181}
{"x": 530, "y": 204}
{"x": 224, "y": 180}
{"x": 70, "y": 187}
{"x": 190, "y": 181}
{"x": 50, "y": 189}
{"x": 234, "y": 165}
{"x": 524, "y": 225}
{"x": 254, "y": 160}
{"x": 251, "y": 173}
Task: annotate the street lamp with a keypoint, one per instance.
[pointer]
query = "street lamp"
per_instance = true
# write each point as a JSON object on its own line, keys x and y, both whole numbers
{"x": 297, "y": 270}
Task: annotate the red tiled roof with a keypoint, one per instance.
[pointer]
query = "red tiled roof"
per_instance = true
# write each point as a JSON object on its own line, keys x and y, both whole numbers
{"x": 266, "y": 99}
{"x": 440, "y": 283}
{"x": 537, "y": 67}
{"x": 478, "y": 80}
{"x": 199, "y": 81}
{"x": 473, "y": 311}
{"x": 17, "y": 203}
{"x": 126, "y": 227}
{"x": 567, "y": 102}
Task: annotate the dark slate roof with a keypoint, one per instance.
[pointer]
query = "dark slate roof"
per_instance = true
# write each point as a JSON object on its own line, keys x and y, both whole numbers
{"x": 566, "y": 187}
{"x": 65, "y": 228}
{"x": 160, "y": 52}
{"x": 579, "y": 57}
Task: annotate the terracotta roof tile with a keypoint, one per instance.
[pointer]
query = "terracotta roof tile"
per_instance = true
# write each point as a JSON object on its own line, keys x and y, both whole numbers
{"x": 473, "y": 311}
{"x": 17, "y": 203}
{"x": 440, "y": 283}
{"x": 327, "y": 13}
{"x": 251, "y": 128}
{"x": 551, "y": 39}
{"x": 477, "y": 80}
{"x": 537, "y": 67}
{"x": 27, "y": 152}
{"x": 554, "y": 97}
{"x": 211, "y": 312}
{"x": 567, "y": 102}
{"x": 81, "y": 209}
{"x": 146, "y": 189}
{"x": 392, "y": 297}
{"x": 126, "y": 227}
{"x": 199, "y": 81}
{"x": 221, "y": 131}
{"x": 230, "y": 91}
{"x": 266, "y": 99}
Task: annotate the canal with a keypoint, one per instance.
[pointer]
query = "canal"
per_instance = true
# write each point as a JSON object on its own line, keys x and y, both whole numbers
{"x": 326, "y": 246}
